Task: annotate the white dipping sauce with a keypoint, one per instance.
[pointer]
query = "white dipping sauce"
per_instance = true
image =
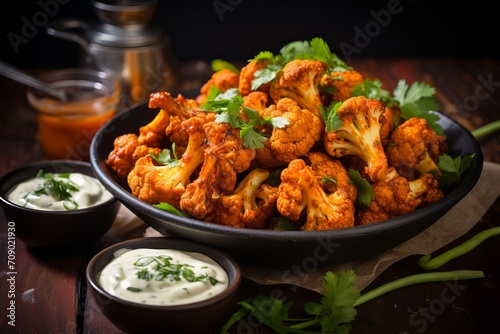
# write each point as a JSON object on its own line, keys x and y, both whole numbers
{"x": 122, "y": 277}
{"x": 90, "y": 192}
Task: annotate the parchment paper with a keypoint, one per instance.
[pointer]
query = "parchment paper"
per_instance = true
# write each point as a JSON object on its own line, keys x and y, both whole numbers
{"x": 451, "y": 226}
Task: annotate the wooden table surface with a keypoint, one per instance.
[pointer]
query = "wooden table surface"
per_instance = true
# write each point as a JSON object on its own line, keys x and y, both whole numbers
{"x": 50, "y": 288}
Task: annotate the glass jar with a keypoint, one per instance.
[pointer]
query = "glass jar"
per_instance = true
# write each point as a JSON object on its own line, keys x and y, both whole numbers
{"x": 66, "y": 128}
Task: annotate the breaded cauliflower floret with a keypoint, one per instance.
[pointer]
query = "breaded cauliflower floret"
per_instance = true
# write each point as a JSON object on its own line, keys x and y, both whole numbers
{"x": 426, "y": 189}
{"x": 120, "y": 158}
{"x": 224, "y": 157}
{"x": 155, "y": 183}
{"x": 257, "y": 101}
{"x": 391, "y": 119}
{"x": 414, "y": 148}
{"x": 300, "y": 191}
{"x": 224, "y": 79}
{"x": 396, "y": 196}
{"x": 302, "y": 132}
{"x": 175, "y": 110}
{"x": 153, "y": 133}
{"x": 331, "y": 174}
{"x": 252, "y": 203}
{"x": 247, "y": 75}
{"x": 299, "y": 80}
{"x": 359, "y": 135}
{"x": 342, "y": 83}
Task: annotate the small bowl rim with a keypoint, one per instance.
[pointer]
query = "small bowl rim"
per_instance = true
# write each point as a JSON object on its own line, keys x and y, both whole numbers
{"x": 37, "y": 166}
{"x": 112, "y": 84}
{"x": 92, "y": 276}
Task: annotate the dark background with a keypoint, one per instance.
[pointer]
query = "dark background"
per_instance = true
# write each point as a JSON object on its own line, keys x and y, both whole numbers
{"x": 200, "y": 31}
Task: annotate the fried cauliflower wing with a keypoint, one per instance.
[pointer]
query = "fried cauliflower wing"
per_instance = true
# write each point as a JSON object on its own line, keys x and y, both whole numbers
{"x": 359, "y": 135}
{"x": 154, "y": 183}
{"x": 396, "y": 196}
{"x": 299, "y": 80}
{"x": 252, "y": 203}
{"x": 341, "y": 82}
{"x": 247, "y": 75}
{"x": 300, "y": 192}
{"x": 224, "y": 157}
{"x": 414, "y": 148}
{"x": 303, "y": 130}
{"x": 331, "y": 174}
{"x": 224, "y": 79}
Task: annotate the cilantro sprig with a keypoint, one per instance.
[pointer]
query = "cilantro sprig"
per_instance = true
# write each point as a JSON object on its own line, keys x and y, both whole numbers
{"x": 229, "y": 104}
{"x": 315, "y": 49}
{"x": 336, "y": 309}
{"x": 418, "y": 100}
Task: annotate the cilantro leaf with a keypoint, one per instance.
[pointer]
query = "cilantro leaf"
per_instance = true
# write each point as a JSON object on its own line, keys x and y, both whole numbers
{"x": 452, "y": 169}
{"x": 265, "y": 55}
{"x": 315, "y": 49}
{"x": 262, "y": 77}
{"x": 295, "y": 50}
{"x": 276, "y": 122}
{"x": 229, "y": 105}
{"x": 322, "y": 52}
{"x": 252, "y": 138}
{"x": 365, "y": 191}
{"x": 165, "y": 157}
{"x": 330, "y": 117}
{"x": 372, "y": 89}
{"x": 418, "y": 100}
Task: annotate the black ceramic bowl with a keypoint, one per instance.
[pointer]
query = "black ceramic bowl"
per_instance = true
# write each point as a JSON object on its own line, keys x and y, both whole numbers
{"x": 134, "y": 317}
{"x": 56, "y": 229}
{"x": 286, "y": 248}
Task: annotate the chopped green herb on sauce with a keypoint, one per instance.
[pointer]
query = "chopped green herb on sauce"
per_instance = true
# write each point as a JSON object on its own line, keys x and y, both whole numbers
{"x": 59, "y": 192}
{"x": 163, "y": 276}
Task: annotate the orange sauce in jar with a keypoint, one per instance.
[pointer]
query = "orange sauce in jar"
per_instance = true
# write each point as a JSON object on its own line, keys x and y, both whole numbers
{"x": 66, "y": 128}
{"x": 69, "y": 137}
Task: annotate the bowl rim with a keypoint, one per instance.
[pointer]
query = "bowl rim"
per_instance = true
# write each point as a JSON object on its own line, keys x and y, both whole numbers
{"x": 73, "y": 164}
{"x": 91, "y": 275}
{"x": 454, "y": 196}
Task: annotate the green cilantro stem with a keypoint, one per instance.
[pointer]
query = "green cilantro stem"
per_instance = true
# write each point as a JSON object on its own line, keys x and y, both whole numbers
{"x": 336, "y": 298}
{"x": 426, "y": 262}
{"x": 486, "y": 130}
{"x": 418, "y": 279}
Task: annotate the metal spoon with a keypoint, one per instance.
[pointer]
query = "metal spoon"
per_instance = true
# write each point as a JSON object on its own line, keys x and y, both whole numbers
{"x": 18, "y": 75}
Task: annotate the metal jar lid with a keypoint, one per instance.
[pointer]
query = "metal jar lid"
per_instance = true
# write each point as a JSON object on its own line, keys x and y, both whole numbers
{"x": 125, "y": 23}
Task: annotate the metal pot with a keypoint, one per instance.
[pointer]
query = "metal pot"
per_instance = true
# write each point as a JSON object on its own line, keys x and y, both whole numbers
{"x": 124, "y": 43}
